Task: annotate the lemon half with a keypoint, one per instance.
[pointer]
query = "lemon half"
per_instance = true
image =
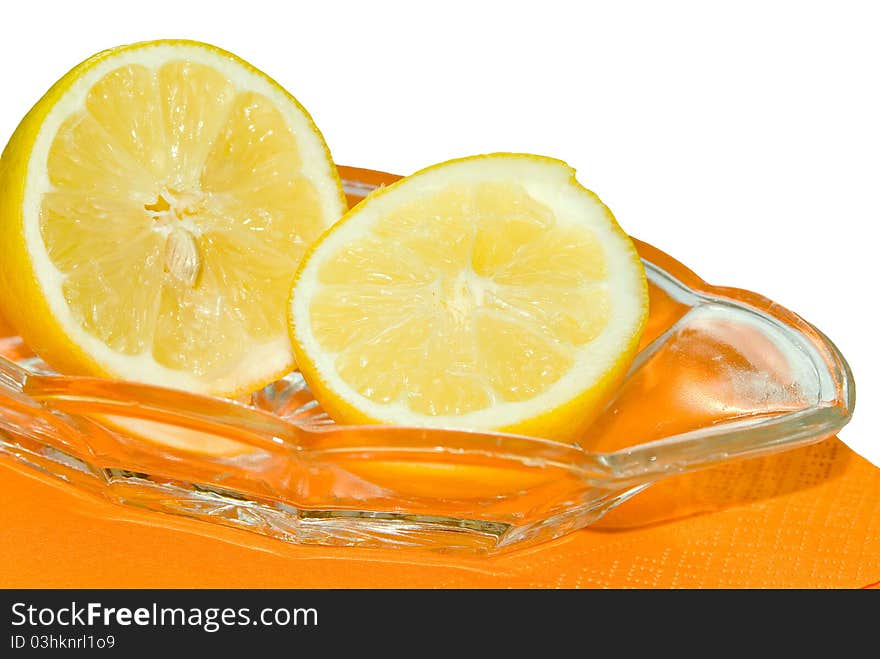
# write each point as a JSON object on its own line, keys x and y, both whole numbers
{"x": 492, "y": 292}
{"x": 154, "y": 205}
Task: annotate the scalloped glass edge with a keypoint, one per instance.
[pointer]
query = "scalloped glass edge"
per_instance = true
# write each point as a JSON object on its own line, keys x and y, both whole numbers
{"x": 283, "y": 469}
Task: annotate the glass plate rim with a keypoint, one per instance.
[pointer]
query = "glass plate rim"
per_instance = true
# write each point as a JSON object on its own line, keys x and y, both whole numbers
{"x": 622, "y": 467}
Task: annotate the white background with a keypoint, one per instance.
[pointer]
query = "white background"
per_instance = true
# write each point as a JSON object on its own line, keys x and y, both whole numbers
{"x": 742, "y": 139}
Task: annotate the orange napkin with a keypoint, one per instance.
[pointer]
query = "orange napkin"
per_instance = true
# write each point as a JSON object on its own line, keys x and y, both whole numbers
{"x": 808, "y": 518}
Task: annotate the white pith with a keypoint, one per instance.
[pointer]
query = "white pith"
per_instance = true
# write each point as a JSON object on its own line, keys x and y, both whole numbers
{"x": 548, "y": 182}
{"x": 265, "y": 354}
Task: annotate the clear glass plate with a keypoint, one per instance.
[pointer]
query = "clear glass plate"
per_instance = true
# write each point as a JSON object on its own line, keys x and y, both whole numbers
{"x": 722, "y": 374}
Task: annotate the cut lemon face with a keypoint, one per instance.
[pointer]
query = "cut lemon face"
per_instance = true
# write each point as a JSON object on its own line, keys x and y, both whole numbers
{"x": 154, "y": 207}
{"x": 492, "y": 292}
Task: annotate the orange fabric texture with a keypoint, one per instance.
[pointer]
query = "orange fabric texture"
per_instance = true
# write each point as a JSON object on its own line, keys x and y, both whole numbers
{"x": 808, "y": 518}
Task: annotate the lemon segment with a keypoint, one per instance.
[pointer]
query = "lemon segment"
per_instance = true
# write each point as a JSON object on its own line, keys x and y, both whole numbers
{"x": 158, "y": 201}
{"x": 491, "y": 292}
